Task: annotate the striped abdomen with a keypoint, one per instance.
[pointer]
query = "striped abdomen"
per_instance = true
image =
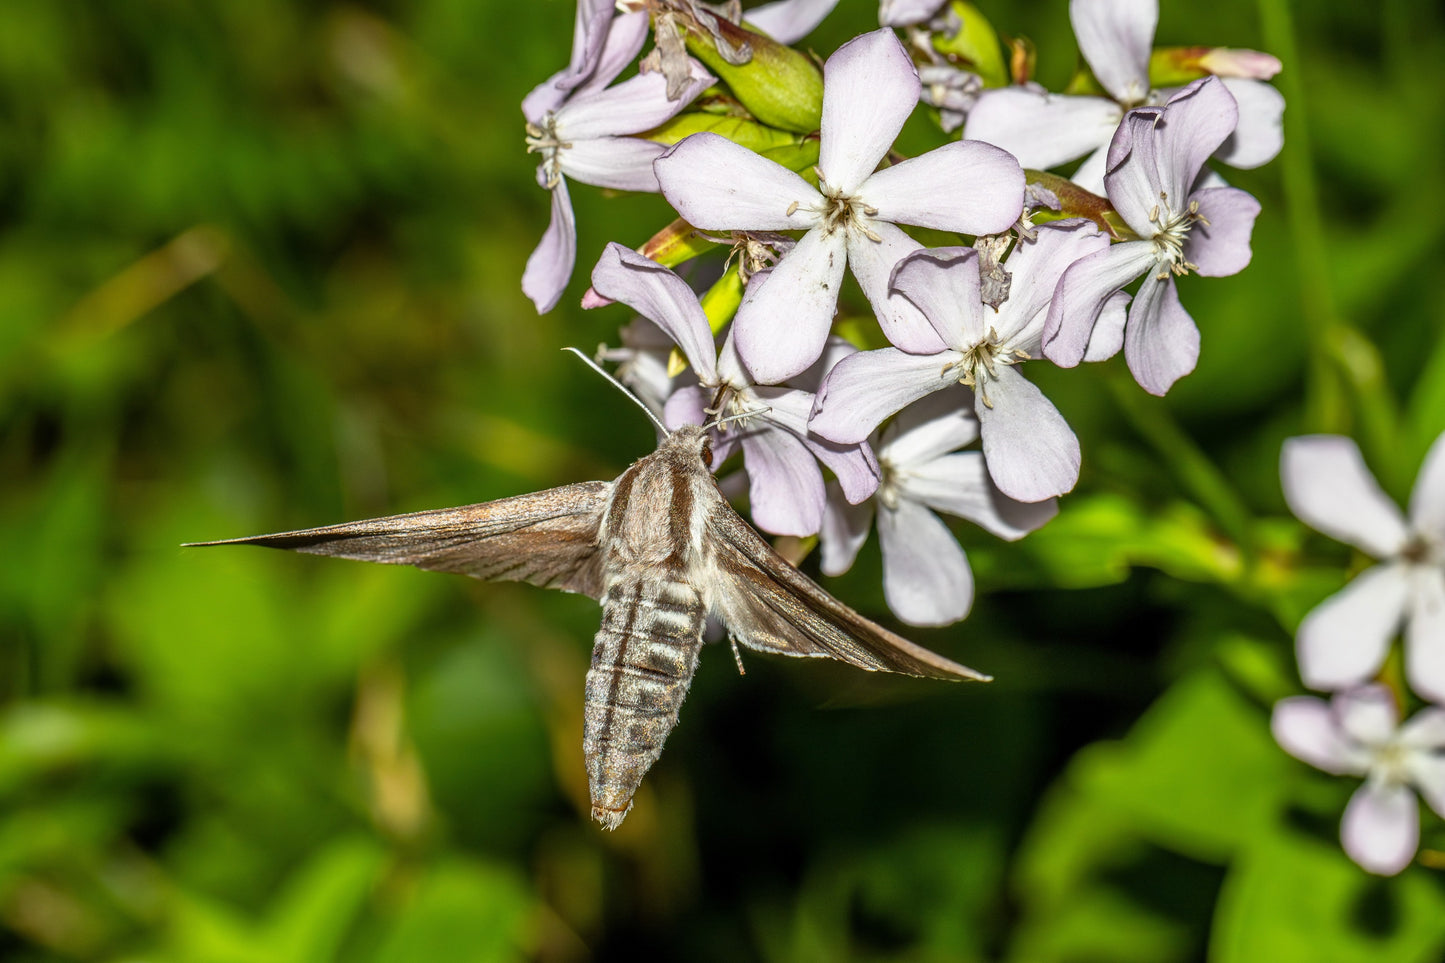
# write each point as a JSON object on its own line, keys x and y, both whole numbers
{"x": 642, "y": 664}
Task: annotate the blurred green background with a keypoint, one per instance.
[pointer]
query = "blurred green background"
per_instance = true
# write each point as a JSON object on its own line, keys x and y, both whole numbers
{"x": 259, "y": 269}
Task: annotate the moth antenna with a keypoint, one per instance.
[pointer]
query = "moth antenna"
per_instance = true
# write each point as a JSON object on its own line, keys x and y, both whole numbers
{"x": 719, "y": 422}
{"x": 620, "y": 387}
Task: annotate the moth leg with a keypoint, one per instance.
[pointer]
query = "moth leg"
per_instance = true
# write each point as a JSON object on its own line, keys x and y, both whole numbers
{"x": 737, "y": 655}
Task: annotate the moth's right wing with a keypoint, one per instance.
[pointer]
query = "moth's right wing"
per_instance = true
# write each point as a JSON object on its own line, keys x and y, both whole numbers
{"x": 547, "y": 538}
{"x": 767, "y": 604}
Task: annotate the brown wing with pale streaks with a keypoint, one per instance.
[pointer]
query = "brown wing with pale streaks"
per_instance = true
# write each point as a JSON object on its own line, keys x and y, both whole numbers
{"x": 768, "y": 604}
{"x": 547, "y": 538}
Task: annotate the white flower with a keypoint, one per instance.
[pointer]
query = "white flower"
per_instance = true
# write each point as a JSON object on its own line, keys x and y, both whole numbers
{"x": 1358, "y": 734}
{"x": 1345, "y": 639}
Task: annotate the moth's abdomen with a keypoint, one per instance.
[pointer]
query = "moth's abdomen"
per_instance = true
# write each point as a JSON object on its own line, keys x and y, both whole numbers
{"x": 642, "y": 664}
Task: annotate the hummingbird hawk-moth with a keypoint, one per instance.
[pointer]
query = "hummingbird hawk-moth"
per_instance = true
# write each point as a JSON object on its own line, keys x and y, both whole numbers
{"x": 660, "y": 548}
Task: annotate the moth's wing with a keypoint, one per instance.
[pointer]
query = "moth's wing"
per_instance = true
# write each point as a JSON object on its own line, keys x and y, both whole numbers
{"x": 768, "y": 604}
{"x": 547, "y": 538}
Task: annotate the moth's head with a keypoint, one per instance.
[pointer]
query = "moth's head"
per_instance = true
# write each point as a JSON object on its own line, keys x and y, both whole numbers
{"x": 695, "y": 441}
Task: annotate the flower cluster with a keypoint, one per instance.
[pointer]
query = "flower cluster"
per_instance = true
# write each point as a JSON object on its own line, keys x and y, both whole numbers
{"x": 795, "y": 170}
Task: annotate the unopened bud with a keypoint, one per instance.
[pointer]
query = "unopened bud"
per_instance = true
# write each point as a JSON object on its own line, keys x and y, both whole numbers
{"x": 1173, "y": 66}
{"x": 778, "y": 85}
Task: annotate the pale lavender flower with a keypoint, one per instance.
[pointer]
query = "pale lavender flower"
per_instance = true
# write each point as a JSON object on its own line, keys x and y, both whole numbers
{"x": 952, "y": 91}
{"x": 578, "y": 126}
{"x": 1115, "y": 36}
{"x": 1032, "y": 453}
{"x": 788, "y": 21}
{"x": 904, "y": 13}
{"x": 926, "y": 577}
{"x": 786, "y": 485}
{"x": 1344, "y": 640}
{"x": 1154, "y": 160}
{"x": 1358, "y": 734}
{"x": 642, "y": 362}
{"x": 870, "y": 88}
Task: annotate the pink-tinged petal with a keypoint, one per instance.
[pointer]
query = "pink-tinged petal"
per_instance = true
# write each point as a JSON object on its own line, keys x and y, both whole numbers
{"x": 685, "y": 406}
{"x": 1427, "y": 772}
{"x": 1115, "y": 37}
{"x": 783, "y": 321}
{"x": 1425, "y": 731}
{"x": 1131, "y": 172}
{"x": 869, "y": 88}
{"x": 1425, "y": 634}
{"x": 926, "y": 578}
{"x": 634, "y": 105}
{"x": 591, "y": 26}
{"x": 1427, "y": 501}
{"x": 1196, "y": 121}
{"x": 1161, "y": 341}
{"x": 968, "y": 187}
{"x": 1381, "y": 828}
{"x": 943, "y": 284}
{"x": 845, "y": 529}
{"x": 1036, "y": 267}
{"x": 625, "y": 37}
{"x": 1343, "y": 640}
{"x": 901, "y": 13}
{"x": 853, "y": 464}
{"x": 663, "y": 298}
{"x": 1108, "y": 335}
{"x": 873, "y": 263}
{"x": 1082, "y": 292}
{"x": 932, "y": 426}
{"x": 1259, "y": 135}
{"x": 621, "y": 163}
{"x": 835, "y": 349}
{"x": 1218, "y": 243}
{"x": 1229, "y": 62}
{"x": 543, "y": 99}
{"x": 867, "y": 387}
{"x": 550, "y": 266}
{"x": 959, "y": 484}
{"x": 1039, "y": 128}
{"x": 720, "y": 186}
{"x": 788, "y": 21}
{"x": 1090, "y": 174}
{"x": 1032, "y": 453}
{"x": 1328, "y": 487}
{"x": 1366, "y": 715}
{"x": 785, "y": 492}
{"x": 1305, "y": 728}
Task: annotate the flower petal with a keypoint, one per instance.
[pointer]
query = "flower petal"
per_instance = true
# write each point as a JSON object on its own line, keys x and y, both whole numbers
{"x": 865, "y": 388}
{"x": 591, "y": 28}
{"x": 943, "y": 284}
{"x": 932, "y": 426}
{"x": 967, "y": 186}
{"x": 1425, "y": 634}
{"x": 1306, "y": 728}
{"x": 959, "y": 484}
{"x": 1108, "y": 335}
{"x": 1259, "y": 135}
{"x": 1328, "y": 487}
{"x": 853, "y": 464}
{"x": 869, "y": 88}
{"x": 845, "y": 529}
{"x": 1425, "y": 730}
{"x": 1042, "y": 129}
{"x": 1115, "y": 37}
{"x": 1342, "y": 641}
{"x": 685, "y": 406}
{"x": 634, "y": 105}
{"x": 1427, "y": 772}
{"x": 1161, "y": 342}
{"x": 785, "y": 491}
{"x": 926, "y": 578}
{"x": 1195, "y": 122}
{"x": 788, "y": 21}
{"x": 550, "y": 266}
{"x": 901, "y": 13}
{"x": 1366, "y": 715}
{"x": 1032, "y": 453}
{"x": 1427, "y": 501}
{"x": 1036, "y": 267}
{"x": 625, "y": 37}
{"x": 1381, "y": 828}
{"x": 873, "y": 263}
{"x": 783, "y": 321}
{"x": 1218, "y": 243}
{"x": 663, "y": 298}
{"x": 720, "y": 186}
{"x": 1083, "y": 290}
{"x": 622, "y": 163}
{"x": 1131, "y": 169}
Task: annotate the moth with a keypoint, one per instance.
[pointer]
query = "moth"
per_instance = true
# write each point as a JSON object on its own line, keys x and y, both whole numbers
{"x": 660, "y": 548}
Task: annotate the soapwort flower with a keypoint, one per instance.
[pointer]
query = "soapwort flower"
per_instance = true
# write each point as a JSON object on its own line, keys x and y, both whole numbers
{"x": 1343, "y": 641}
{"x": 1357, "y": 733}
{"x": 1154, "y": 161}
{"x": 926, "y": 576}
{"x": 578, "y": 125}
{"x": 786, "y": 491}
{"x": 1115, "y": 37}
{"x": 1031, "y": 451}
{"x": 869, "y": 88}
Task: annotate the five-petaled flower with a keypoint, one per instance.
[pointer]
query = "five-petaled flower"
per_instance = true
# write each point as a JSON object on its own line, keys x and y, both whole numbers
{"x": 1358, "y": 734}
{"x": 1344, "y": 640}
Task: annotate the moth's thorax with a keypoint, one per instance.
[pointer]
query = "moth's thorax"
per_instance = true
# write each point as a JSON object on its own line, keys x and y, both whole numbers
{"x": 653, "y": 521}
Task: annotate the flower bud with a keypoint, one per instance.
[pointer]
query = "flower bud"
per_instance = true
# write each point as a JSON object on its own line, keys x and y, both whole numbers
{"x": 1175, "y": 66}
{"x": 778, "y": 85}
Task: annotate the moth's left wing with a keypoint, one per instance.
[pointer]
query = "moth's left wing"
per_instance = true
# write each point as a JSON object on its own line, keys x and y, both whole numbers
{"x": 547, "y": 538}
{"x": 768, "y": 604}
